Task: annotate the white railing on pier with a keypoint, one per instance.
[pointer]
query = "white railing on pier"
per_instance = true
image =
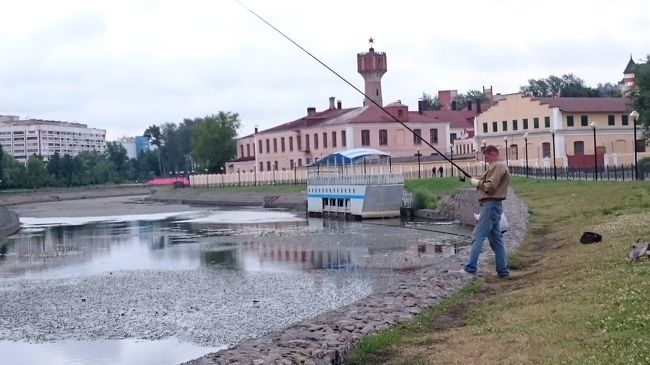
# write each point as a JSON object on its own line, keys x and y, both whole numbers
{"x": 385, "y": 179}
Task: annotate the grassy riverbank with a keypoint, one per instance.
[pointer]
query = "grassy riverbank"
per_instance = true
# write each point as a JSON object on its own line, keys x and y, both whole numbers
{"x": 569, "y": 303}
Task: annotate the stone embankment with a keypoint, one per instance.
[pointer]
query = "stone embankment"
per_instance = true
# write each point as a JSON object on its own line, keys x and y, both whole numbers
{"x": 42, "y": 196}
{"x": 327, "y": 338}
{"x": 295, "y": 200}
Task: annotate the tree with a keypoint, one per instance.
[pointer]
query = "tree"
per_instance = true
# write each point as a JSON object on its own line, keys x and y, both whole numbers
{"x": 213, "y": 140}
{"x": 14, "y": 173}
{"x": 430, "y": 103}
{"x": 462, "y": 100}
{"x": 153, "y": 133}
{"x": 117, "y": 157}
{"x": 36, "y": 172}
{"x": 641, "y": 95}
{"x": 568, "y": 85}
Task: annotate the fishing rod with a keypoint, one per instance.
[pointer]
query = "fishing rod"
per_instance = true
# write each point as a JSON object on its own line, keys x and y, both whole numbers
{"x": 354, "y": 87}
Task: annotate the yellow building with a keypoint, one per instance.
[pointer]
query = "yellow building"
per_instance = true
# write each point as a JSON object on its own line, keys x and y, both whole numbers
{"x": 566, "y": 123}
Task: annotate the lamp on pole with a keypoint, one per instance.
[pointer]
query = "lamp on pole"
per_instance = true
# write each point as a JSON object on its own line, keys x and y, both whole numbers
{"x": 418, "y": 155}
{"x": 593, "y": 125}
{"x": 554, "y": 166}
{"x": 505, "y": 139}
{"x": 451, "y": 157}
{"x": 526, "y": 151}
{"x": 484, "y": 162}
{"x": 635, "y": 115}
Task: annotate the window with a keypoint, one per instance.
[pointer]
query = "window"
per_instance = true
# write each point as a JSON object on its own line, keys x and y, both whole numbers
{"x": 547, "y": 122}
{"x": 505, "y": 125}
{"x": 515, "y": 126}
{"x": 344, "y": 141}
{"x": 241, "y": 150}
{"x": 299, "y": 142}
{"x": 514, "y": 152}
{"x": 525, "y": 121}
{"x": 452, "y": 137}
{"x": 485, "y": 128}
{"x": 494, "y": 127}
{"x": 268, "y": 146}
{"x": 624, "y": 119}
{"x": 261, "y": 166}
{"x": 578, "y": 148}
{"x": 324, "y": 139}
{"x": 611, "y": 120}
{"x": 282, "y": 144}
{"x": 365, "y": 137}
{"x": 334, "y": 139}
{"x": 546, "y": 149}
{"x": 268, "y": 165}
{"x": 248, "y": 149}
{"x": 315, "y": 141}
{"x": 260, "y": 146}
{"x": 569, "y": 120}
{"x": 383, "y": 137}
{"x": 535, "y": 122}
{"x": 300, "y": 162}
{"x": 275, "y": 145}
{"x": 290, "y": 143}
{"x": 275, "y": 165}
{"x": 307, "y": 142}
{"x": 290, "y": 164}
{"x": 417, "y": 134}
{"x": 433, "y": 135}
{"x": 584, "y": 120}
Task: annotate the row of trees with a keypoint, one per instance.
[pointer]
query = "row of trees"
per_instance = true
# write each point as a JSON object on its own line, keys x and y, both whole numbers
{"x": 567, "y": 85}
{"x": 641, "y": 95}
{"x": 200, "y": 143}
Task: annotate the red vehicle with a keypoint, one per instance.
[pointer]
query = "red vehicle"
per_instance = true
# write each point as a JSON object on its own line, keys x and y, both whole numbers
{"x": 176, "y": 182}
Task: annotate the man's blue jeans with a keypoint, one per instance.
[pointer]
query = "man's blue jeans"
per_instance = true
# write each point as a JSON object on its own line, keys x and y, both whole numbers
{"x": 488, "y": 227}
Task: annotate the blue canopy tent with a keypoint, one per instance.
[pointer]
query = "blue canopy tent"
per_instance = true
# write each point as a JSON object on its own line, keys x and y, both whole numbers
{"x": 348, "y": 157}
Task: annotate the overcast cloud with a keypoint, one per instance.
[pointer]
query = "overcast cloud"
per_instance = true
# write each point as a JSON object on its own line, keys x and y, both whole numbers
{"x": 124, "y": 65}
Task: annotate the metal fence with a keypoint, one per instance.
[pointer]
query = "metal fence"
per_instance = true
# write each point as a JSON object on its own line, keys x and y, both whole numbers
{"x": 608, "y": 173}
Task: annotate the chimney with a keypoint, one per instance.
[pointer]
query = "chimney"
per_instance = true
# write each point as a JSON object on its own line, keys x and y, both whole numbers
{"x": 339, "y": 105}
{"x": 255, "y": 130}
{"x": 311, "y": 111}
{"x": 469, "y": 105}
{"x": 453, "y": 105}
{"x": 331, "y": 102}
{"x": 478, "y": 106}
{"x": 420, "y": 106}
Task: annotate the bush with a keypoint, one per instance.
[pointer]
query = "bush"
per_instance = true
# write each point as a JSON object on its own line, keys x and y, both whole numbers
{"x": 423, "y": 199}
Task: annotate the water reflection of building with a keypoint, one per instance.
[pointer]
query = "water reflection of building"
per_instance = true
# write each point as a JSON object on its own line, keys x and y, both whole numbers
{"x": 431, "y": 249}
{"x": 303, "y": 256}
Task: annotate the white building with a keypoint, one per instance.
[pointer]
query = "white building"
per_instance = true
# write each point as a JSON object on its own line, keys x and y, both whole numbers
{"x": 23, "y": 138}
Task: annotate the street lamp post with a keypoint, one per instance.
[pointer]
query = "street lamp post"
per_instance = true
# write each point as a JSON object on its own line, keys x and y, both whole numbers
{"x": 418, "y": 155}
{"x": 593, "y": 127}
{"x": 505, "y": 139}
{"x": 635, "y": 115}
{"x": 526, "y": 151}
{"x": 451, "y": 157}
{"x": 554, "y": 165}
{"x": 238, "y": 177}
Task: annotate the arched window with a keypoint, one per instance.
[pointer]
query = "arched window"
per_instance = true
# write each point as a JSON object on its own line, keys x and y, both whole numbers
{"x": 546, "y": 149}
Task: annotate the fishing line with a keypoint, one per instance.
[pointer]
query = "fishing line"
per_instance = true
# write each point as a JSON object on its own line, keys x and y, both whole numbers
{"x": 419, "y": 229}
{"x": 352, "y": 86}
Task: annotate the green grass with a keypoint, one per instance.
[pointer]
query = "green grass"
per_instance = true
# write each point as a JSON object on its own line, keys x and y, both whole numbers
{"x": 569, "y": 303}
{"x": 427, "y": 192}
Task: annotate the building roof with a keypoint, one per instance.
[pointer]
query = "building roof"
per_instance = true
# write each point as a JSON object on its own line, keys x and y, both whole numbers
{"x": 631, "y": 66}
{"x": 593, "y": 105}
{"x": 309, "y": 120}
{"x": 348, "y": 156}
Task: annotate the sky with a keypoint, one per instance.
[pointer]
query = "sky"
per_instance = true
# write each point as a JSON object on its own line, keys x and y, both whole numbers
{"x": 125, "y": 65}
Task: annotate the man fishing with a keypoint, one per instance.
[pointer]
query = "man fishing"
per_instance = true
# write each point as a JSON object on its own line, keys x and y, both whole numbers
{"x": 491, "y": 190}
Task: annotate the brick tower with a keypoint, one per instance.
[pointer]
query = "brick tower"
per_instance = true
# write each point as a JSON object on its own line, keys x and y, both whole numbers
{"x": 372, "y": 66}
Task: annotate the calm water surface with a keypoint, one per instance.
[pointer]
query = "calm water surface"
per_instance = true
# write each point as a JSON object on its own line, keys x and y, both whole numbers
{"x": 243, "y": 240}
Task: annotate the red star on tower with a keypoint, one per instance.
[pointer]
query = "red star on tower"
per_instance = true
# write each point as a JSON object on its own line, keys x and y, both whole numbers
{"x": 371, "y": 41}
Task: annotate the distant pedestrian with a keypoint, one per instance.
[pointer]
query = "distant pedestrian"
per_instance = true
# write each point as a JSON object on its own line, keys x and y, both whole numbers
{"x": 433, "y": 171}
{"x": 491, "y": 189}
{"x": 440, "y": 171}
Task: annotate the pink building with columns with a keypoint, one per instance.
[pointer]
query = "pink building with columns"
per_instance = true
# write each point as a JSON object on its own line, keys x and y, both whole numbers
{"x": 319, "y": 133}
